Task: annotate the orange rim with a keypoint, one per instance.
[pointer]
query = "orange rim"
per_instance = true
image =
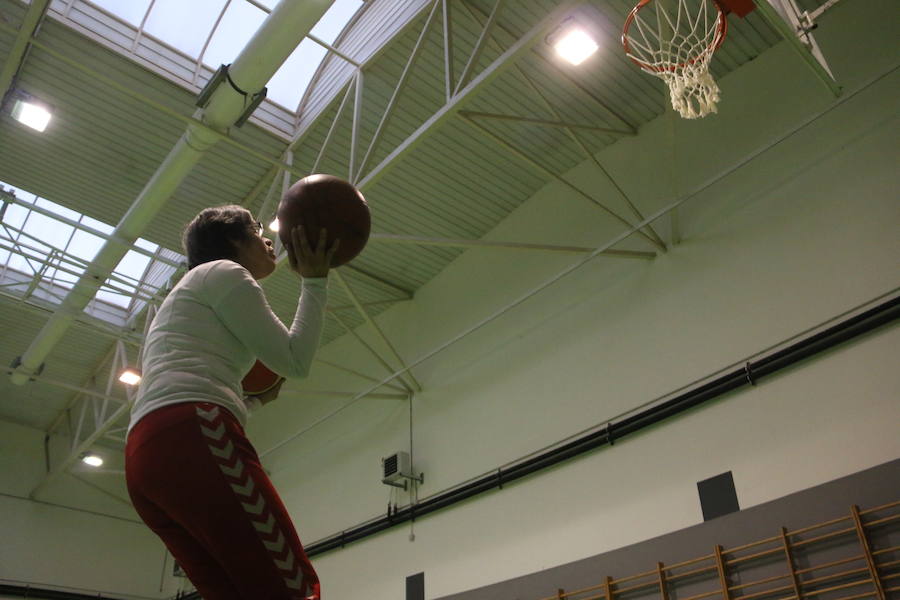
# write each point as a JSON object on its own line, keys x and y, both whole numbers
{"x": 721, "y": 32}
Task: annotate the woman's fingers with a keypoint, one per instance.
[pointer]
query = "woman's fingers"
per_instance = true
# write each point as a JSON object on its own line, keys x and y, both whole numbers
{"x": 331, "y": 251}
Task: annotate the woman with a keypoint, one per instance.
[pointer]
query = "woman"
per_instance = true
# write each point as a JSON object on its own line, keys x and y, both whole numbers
{"x": 192, "y": 475}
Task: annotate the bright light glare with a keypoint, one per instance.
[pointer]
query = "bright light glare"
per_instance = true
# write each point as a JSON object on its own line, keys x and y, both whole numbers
{"x": 92, "y": 459}
{"x": 576, "y": 46}
{"x": 130, "y": 377}
{"x": 31, "y": 114}
{"x": 273, "y": 226}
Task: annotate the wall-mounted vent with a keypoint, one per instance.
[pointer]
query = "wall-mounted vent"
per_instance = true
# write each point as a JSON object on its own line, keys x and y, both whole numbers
{"x": 395, "y": 467}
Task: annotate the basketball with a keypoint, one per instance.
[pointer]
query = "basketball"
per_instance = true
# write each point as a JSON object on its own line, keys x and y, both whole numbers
{"x": 259, "y": 380}
{"x": 325, "y": 201}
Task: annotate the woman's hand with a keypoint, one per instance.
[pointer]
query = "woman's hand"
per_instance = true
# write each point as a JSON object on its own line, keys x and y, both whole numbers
{"x": 305, "y": 261}
{"x": 271, "y": 393}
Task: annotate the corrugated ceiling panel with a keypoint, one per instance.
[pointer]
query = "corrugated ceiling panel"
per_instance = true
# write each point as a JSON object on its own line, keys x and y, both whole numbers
{"x": 380, "y": 21}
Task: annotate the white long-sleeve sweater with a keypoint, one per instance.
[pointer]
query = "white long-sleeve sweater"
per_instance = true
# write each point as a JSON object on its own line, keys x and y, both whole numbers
{"x": 211, "y": 328}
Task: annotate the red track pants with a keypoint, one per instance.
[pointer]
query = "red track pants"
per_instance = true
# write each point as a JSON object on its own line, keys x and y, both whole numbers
{"x": 196, "y": 480}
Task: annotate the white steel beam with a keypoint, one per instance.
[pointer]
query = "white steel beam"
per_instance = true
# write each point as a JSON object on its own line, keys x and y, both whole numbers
{"x": 467, "y": 93}
{"x": 506, "y": 145}
{"x": 681, "y": 199}
{"x": 365, "y": 315}
{"x": 398, "y": 89}
{"x": 19, "y": 50}
{"x": 589, "y": 155}
{"x": 479, "y": 46}
{"x": 360, "y": 375}
{"x": 372, "y": 351}
{"x": 272, "y": 43}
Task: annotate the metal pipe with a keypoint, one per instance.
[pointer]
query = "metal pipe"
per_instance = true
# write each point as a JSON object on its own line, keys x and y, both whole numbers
{"x": 851, "y": 328}
{"x": 272, "y": 43}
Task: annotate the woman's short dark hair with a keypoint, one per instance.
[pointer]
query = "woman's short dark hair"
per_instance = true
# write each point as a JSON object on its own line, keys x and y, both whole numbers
{"x": 213, "y": 233}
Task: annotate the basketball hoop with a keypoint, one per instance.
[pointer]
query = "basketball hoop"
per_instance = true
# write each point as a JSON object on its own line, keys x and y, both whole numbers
{"x": 676, "y": 45}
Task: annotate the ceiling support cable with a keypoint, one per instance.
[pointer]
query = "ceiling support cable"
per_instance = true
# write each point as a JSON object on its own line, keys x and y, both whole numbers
{"x": 398, "y": 89}
{"x": 445, "y": 113}
{"x": 21, "y": 45}
{"x": 588, "y": 154}
{"x": 562, "y": 124}
{"x": 368, "y": 378}
{"x": 506, "y": 145}
{"x": 375, "y": 354}
{"x": 272, "y": 43}
{"x": 105, "y": 492}
{"x": 365, "y": 315}
{"x": 407, "y": 294}
{"x": 458, "y": 243}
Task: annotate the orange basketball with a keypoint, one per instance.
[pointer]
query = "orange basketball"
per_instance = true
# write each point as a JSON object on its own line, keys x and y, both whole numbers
{"x": 259, "y": 380}
{"x": 326, "y": 201}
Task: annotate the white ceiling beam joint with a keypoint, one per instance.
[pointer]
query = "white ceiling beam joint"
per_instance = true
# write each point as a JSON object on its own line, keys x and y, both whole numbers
{"x": 589, "y": 155}
{"x": 365, "y": 315}
{"x": 398, "y": 89}
{"x": 515, "y": 151}
{"x": 471, "y": 90}
{"x": 375, "y": 354}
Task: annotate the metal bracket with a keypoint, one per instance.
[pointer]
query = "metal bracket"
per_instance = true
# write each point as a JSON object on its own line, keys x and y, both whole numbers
{"x": 749, "y": 373}
{"x": 405, "y": 485}
{"x": 212, "y": 85}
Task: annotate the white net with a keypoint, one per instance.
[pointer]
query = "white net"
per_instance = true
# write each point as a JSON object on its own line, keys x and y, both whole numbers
{"x": 675, "y": 40}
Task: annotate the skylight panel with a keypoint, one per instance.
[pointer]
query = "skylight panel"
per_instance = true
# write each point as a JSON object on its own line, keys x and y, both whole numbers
{"x": 293, "y": 77}
{"x": 85, "y": 245}
{"x": 131, "y": 11}
{"x": 335, "y": 19}
{"x": 98, "y": 225}
{"x": 184, "y": 25}
{"x": 46, "y": 228}
{"x": 29, "y": 267}
{"x": 57, "y": 209}
{"x": 237, "y": 26}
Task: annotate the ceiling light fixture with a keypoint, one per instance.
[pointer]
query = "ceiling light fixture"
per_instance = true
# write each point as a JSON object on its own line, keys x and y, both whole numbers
{"x": 91, "y": 459}
{"x": 130, "y": 376}
{"x": 31, "y": 112}
{"x": 572, "y": 42}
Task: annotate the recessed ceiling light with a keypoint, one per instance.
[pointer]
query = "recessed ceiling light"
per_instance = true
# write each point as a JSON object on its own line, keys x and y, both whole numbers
{"x": 130, "y": 376}
{"x": 92, "y": 460}
{"x": 31, "y": 114}
{"x": 575, "y": 46}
